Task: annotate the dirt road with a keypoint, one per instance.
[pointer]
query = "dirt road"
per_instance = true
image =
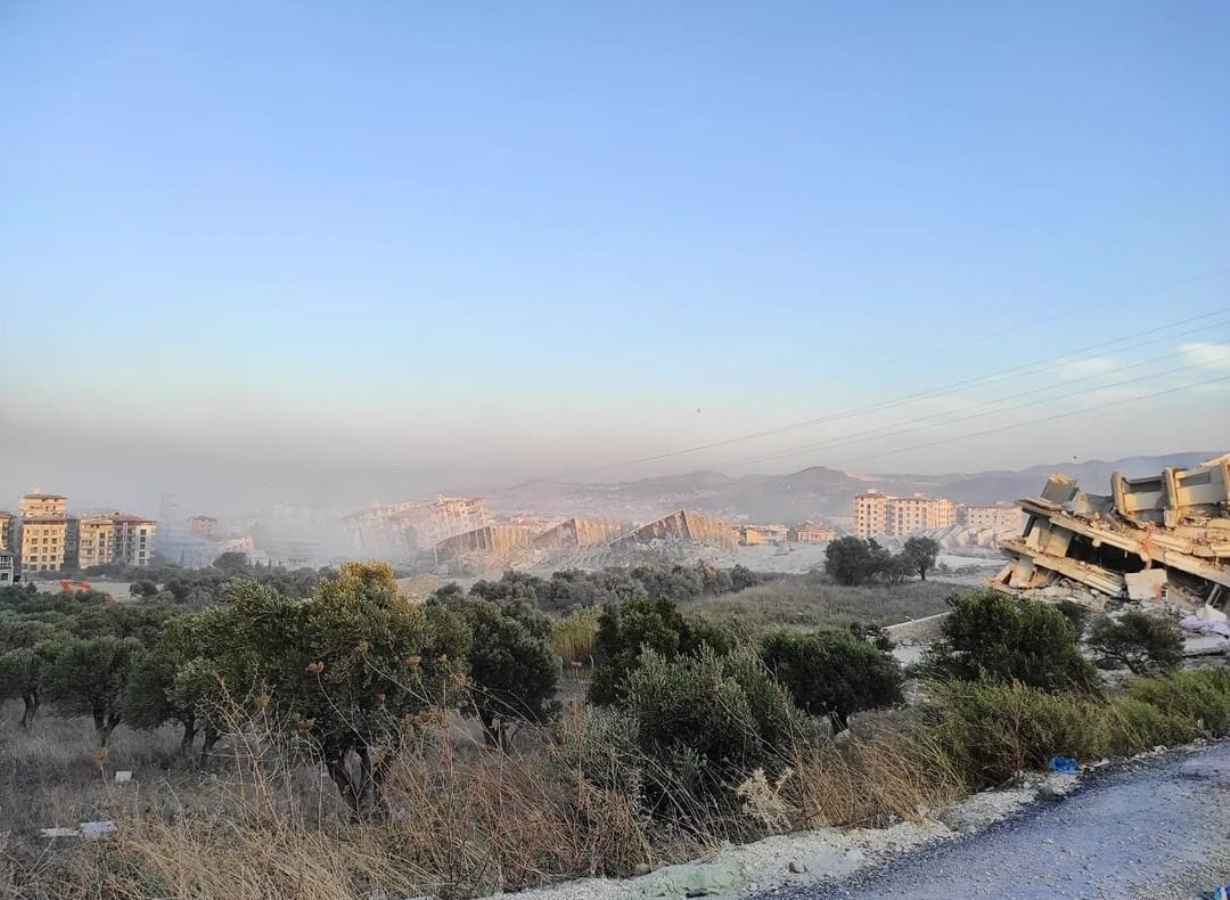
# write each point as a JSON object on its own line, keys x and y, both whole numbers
{"x": 1153, "y": 829}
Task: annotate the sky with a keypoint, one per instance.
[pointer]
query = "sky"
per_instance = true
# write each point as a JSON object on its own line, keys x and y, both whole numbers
{"x": 341, "y": 252}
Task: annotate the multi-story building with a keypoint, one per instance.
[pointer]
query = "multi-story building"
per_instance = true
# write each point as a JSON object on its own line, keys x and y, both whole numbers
{"x": 871, "y": 514}
{"x": 134, "y": 539}
{"x": 8, "y": 571}
{"x": 95, "y": 541}
{"x": 881, "y": 515}
{"x": 116, "y": 537}
{"x": 202, "y": 526}
{"x": 999, "y": 518}
{"x": 36, "y": 503}
{"x": 910, "y": 515}
{"x": 44, "y": 540}
{"x": 8, "y": 530}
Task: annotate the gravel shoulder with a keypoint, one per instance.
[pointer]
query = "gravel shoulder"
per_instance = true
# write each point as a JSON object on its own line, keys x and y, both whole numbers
{"x": 1157, "y": 826}
{"x": 1150, "y": 828}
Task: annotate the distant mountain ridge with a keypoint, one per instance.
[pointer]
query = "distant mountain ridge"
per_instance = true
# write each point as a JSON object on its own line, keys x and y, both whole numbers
{"x": 812, "y": 493}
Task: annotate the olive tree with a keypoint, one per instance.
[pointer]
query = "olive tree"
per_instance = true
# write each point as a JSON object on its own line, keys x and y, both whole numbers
{"x": 88, "y": 677}
{"x": 348, "y": 670}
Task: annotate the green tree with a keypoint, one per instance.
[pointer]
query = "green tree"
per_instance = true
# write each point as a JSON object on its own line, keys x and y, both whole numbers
{"x": 513, "y": 673}
{"x": 347, "y": 670}
{"x": 1142, "y": 643}
{"x": 626, "y": 631}
{"x": 848, "y": 560}
{"x": 990, "y": 635}
{"x": 143, "y": 588}
{"x": 88, "y": 677}
{"x": 833, "y": 673}
{"x": 233, "y": 563}
{"x": 21, "y": 673}
{"x": 921, "y": 553}
{"x": 175, "y": 682}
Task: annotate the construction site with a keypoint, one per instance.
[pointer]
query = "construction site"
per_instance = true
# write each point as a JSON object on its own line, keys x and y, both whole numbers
{"x": 1162, "y": 539}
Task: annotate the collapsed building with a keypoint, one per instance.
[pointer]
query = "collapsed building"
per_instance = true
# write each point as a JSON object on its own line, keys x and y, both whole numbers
{"x": 578, "y": 532}
{"x": 683, "y": 526}
{"x": 1165, "y": 538}
{"x": 490, "y": 540}
{"x": 398, "y": 531}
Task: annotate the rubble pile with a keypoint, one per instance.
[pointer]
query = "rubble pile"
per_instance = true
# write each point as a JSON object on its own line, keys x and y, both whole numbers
{"x": 1164, "y": 538}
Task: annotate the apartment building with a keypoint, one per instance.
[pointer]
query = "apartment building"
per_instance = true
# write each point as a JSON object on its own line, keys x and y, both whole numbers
{"x": 8, "y": 570}
{"x": 134, "y": 539}
{"x": 999, "y": 517}
{"x": 36, "y": 503}
{"x": 44, "y": 542}
{"x": 95, "y": 541}
{"x": 871, "y": 514}
{"x": 8, "y": 530}
{"x": 882, "y": 515}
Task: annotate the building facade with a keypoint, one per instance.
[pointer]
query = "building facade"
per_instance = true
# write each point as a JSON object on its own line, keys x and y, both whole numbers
{"x": 117, "y": 537}
{"x": 8, "y": 530}
{"x": 810, "y": 533}
{"x": 882, "y": 515}
{"x": 870, "y": 514}
{"x": 993, "y": 518}
{"x": 36, "y": 503}
{"x": 8, "y": 570}
{"x": 44, "y": 541}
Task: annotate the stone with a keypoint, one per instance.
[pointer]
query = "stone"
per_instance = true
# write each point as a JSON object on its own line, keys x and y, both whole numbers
{"x": 695, "y": 880}
{"x": 797, "y": 867}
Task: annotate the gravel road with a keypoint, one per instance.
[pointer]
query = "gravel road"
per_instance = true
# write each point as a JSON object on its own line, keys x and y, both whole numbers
{"x": 1156, "y": 828}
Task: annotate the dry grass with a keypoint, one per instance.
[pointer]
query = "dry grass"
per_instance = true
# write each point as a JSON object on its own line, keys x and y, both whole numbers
{"x": 462, "y": 821}
{"x": 807, "y": 601}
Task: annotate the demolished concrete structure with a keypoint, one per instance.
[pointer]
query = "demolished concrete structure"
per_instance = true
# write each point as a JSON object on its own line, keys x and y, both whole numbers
{"x": 679, "y": 527}
{"x": 1163, "y": 538}
{"x": 578, "y": 532}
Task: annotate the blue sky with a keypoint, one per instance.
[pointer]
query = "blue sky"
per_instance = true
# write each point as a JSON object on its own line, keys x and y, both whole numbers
{"x": 358, "y": 250}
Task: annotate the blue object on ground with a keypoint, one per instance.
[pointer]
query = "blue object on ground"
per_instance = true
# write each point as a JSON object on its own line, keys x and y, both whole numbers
{"x": 1218, "y": 893}
{"x": 1064, "y": 765}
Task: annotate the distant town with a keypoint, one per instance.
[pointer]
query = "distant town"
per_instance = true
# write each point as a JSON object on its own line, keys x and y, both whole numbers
{"x": 448, "y": 535}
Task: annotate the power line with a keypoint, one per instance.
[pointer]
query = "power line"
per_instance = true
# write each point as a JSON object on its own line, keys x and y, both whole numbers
{"x": 893, "y": 429}
{"x": 1052, "y": 418}
{"x": 905, "y": 399}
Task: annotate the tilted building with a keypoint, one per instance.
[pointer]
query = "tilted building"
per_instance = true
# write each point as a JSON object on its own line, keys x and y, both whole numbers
{"x": 1166, "y": 536}
{"x": 684, "y": 526}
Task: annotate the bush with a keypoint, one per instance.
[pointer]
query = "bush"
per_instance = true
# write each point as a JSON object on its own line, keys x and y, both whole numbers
{"x": 624, "y": 632}
{"x": 832, "y": 673}
{"x": 1136, "y": 641}
{"x": 992, "y": 731}
{"x": 710, "y": 720}
{"x": 513, "y": 674}
{"x": 1202, "y": 696}
{"x": 990, "y": 635}
{"x": 573, "y": 638}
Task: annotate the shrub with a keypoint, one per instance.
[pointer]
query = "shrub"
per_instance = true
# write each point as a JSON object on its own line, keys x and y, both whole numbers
{"x": 624, "y": 632}
{"x": 992, "y": 731}
{"x": 1139, "y": 642}
{"x": 1202, "y": 696}
{"x": 513, "y": 674}
{"x": 572, "y": 639}
{"x": 991, "y": 635}
{"x": 832, "y": 673}
{"x": 1076, "y": 614}
{"x": 710, "y": 720}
